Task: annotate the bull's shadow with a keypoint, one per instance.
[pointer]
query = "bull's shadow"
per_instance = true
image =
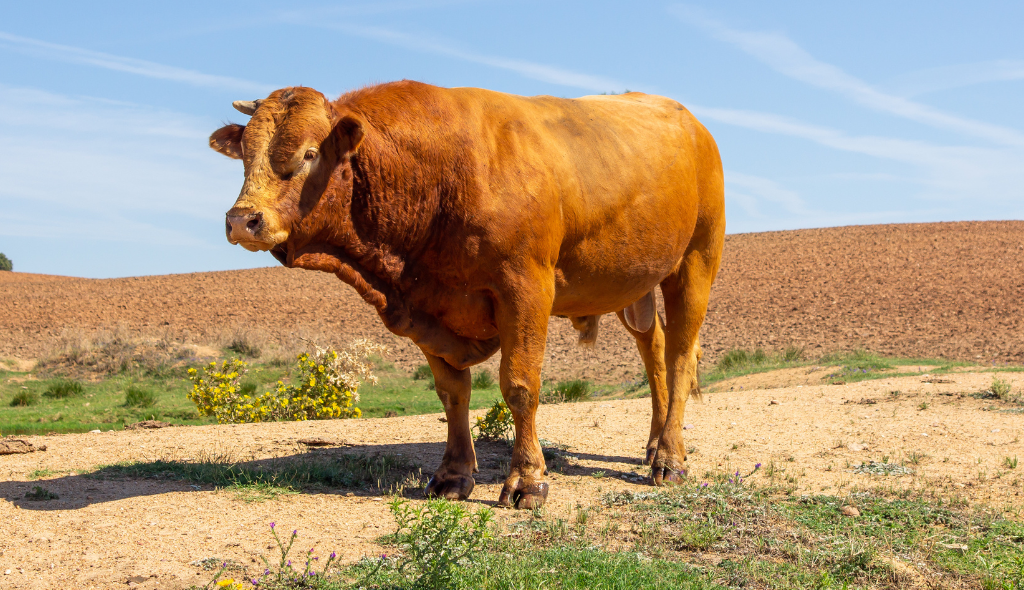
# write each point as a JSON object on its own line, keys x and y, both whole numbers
{"x": 362, "y": 470}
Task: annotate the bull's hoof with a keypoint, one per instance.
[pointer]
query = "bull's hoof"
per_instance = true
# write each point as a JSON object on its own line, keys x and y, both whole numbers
{"x": 524, "y": 496}
{"x": 663, "y": 475}
{"x": 450, "y": 486}
{"x": 651, "y": 454}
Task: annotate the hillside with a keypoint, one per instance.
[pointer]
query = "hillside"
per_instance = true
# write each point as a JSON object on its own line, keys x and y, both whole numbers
{"x": 954, "y": 290}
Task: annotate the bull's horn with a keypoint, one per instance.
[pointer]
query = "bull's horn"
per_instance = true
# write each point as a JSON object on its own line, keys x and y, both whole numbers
{"x": 246, "y": 106}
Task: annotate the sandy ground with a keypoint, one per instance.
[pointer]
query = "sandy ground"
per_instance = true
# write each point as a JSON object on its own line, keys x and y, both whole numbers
{"x": 106, "y": 534}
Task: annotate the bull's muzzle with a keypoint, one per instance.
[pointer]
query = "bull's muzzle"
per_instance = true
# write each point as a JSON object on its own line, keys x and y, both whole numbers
{"x": 243, "y": 228}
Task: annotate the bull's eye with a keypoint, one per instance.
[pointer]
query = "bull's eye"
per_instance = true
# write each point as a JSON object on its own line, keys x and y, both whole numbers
{"x": 310, "y": 155}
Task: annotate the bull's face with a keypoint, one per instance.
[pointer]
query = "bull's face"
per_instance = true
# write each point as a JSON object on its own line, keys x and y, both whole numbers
{"x": 292, "y": 145}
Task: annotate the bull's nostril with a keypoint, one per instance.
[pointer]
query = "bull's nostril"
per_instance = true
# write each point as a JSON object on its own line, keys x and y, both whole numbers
{"x": 227, "y": 223}
{"x": 253, "y": 224}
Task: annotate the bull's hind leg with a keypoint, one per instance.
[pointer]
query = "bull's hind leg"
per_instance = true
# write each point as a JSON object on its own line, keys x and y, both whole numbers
{"x": 686, "y": 295}
{"x": 652, "y": 350}
{"x": 454, "y": 478}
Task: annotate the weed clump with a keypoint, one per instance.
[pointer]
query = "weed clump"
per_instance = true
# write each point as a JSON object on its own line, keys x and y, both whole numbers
{"x": 497, "y": 424}
{"x": 326, "y": 387}
{"x": 138, "y": 397}
{"x": 63, "y": 388}
{"x": 1000, "y": 389}
{"x": 575, "y": 390}
{"x": 244, "y": 342}
{"x": 40, "y": 494}
{"x": 483, "y": 380}
{"x": 437, "y": 539}
{"x": 24, "y": 398}
{"x": 422, "y": 373}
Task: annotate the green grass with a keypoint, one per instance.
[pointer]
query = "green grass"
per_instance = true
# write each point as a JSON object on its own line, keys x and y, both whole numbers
{"x": 62, "y": 388}
{"x": 405, "y": 395}
{"x": 757, "y": 536}
{"x": 138, "y": 397}
{"x": 32, "y": 406}
{"x": 851, "y": 367}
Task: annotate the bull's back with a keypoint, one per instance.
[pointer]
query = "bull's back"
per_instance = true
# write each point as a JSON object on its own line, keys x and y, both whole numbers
{"x": 616, "y": 183}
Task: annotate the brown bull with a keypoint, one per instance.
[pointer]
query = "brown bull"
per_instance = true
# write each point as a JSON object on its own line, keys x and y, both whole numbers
{"x": 468, "y": 217}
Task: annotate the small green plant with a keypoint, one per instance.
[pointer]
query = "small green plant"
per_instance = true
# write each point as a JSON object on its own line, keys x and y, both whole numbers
{"x": 62, "y": 388}
{"x": 40, "y": 494}
{"x": 922, "y": 406}
{"x": 437, "y": 539}
{"x": 281, "y": 574}
{"x": 575, "y": 390}
{"x": 24, "y": 398}
{"x": 915, "y": 458}
{"x": 1010, "y": 462}
{"x": 5, "y": 262}
{"x": 138, "y": 397}
{"x": 792, "y": 353}
{"x": 483, "y": 380}
{"x": 698, "y": 536}
{"x": 422, "y": 373}
{"x": 497, "y": 424}
{"x": 1000, "y": 389}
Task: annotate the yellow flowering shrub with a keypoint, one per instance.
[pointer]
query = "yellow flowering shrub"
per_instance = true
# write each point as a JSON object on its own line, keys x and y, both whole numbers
{"x": 496, "y": 424}
{"x": 326, "y": 386}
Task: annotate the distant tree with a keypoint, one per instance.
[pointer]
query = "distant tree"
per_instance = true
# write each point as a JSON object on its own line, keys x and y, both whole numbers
{"x": 5, "y": 262}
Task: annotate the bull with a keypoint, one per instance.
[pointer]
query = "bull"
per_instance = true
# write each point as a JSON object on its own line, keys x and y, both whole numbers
{"x": 467, "y": 218}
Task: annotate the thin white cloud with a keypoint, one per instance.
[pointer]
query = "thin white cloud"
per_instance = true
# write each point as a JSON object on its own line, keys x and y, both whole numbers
{"x": 139, "y": 67}
{"x": 527, "y": 69}
{"x": 949, "y": 172}
{"x": 786, "y": 57}
{"x": 957, "y": 76}
{"x": 749, "y": 189}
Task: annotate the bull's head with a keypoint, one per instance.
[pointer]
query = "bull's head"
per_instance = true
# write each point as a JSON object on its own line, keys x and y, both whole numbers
{"x": 294, "y": 144}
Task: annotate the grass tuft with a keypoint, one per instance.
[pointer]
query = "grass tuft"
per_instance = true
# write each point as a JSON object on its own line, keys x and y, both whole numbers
{"x": 575, "y": 390}
{"x": 63, "y": 388}
{"x": 422, "y": 373}
{"x": 24, "y": 398}
{"x": 138, "y": 397}
{"x": 483, "y": 379}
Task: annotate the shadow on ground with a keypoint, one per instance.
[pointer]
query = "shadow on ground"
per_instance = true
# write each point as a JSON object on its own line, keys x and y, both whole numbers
{"x": 363, "y": 470}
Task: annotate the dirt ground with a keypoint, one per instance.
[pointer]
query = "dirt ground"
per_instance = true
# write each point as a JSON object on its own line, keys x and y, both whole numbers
{"x": 954, "y": 290}
{"x": 106, "y": 534}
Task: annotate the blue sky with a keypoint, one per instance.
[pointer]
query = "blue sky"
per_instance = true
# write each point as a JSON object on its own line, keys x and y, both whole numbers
{"x": 826, "y": 115}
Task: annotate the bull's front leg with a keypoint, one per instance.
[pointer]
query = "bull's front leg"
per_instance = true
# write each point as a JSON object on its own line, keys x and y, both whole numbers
{"x": 522, "y": 319}
{"x": 454, "y": 478}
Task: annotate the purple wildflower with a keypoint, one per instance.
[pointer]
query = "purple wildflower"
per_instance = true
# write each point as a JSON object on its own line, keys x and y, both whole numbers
{"x": 289, "y": 562}
{"x": 757, "y": 466}
{"x": 333, "y": 555}
{"x": 271, "y": 525}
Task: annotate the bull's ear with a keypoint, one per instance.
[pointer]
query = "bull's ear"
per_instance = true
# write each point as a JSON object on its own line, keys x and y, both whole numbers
{"x": 228, "y": 140}
{"x": 349, "y": 133}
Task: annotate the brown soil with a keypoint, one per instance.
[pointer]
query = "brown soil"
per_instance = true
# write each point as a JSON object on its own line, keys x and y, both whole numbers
{"x": 103, "y": 534}
{"x": 953, "y": 290}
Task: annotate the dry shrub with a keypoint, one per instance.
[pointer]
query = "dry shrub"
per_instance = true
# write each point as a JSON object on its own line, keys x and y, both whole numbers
{"x": 245, "y": 341}
{"x": 113, "y": 351}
